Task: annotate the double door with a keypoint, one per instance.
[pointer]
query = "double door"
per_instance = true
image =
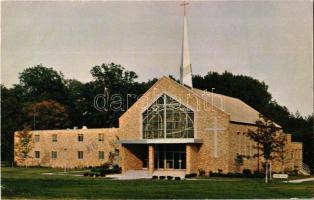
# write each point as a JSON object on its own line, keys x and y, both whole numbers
{"x": 170, "y": 158}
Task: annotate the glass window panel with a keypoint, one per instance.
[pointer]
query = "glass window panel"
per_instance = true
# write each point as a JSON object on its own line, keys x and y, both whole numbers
{"x": 179, "y": 119}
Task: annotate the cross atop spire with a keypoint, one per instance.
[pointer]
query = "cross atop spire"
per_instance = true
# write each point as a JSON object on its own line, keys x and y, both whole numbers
{"x": 184, "y": 4}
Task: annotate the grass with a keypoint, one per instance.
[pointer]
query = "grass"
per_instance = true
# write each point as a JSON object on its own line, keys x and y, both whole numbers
{"x": 30, "y": 183}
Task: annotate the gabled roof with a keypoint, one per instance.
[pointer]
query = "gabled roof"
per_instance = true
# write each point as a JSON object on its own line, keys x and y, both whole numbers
{"x": 234, "y": 107}
{"x": 237, "y": 109}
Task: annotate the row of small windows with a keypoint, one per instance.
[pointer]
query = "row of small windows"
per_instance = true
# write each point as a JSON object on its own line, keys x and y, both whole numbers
{"x": 80, "y": 155}
{"x": 80, "y": 137}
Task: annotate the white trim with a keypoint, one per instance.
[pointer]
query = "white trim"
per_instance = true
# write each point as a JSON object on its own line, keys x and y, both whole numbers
{"x": 162, "y": 141}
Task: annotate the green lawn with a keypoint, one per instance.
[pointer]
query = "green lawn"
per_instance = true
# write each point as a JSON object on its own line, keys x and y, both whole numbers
{"x": 30, "y": 183}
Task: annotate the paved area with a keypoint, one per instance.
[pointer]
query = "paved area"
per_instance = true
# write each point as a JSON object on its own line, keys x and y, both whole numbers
{"x": 131, "y": 175}
{"x": 301, "y": 180}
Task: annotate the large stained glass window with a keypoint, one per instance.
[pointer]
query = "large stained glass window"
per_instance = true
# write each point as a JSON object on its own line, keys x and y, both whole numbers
{"x": 167, "y": 118}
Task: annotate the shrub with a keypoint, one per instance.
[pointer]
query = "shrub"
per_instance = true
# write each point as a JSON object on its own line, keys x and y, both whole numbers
{"x": 169, "y": 177}
{"x": 201, "y": 172}
{"x": 86, "y": 174}
{"x": 107, "y": 169}
{"x": 190, "y": 175}
{"x": 247, "y": 172}
{"x": 162, "y": 177}
{"x": 258, "y": 174}
{"x": 155, "y": 177}
{"x": 214, "y": 174}
{"x": 177, "y": 178}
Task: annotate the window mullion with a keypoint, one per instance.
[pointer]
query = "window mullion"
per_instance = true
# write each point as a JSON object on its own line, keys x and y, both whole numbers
{"x": 165, "y": 122}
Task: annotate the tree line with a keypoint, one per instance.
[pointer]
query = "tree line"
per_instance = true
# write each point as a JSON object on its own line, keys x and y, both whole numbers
{"x": 45, "y": 99}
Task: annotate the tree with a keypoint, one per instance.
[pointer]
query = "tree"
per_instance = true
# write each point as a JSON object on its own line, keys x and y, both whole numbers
{"x": 12, "y": 119}
{"x": 48, "y": 114}
{"x": 112, "y": 76}
{"x": 255, "y": 93}
{"x": 24, "y": 145}
{"x": 42, "y": 83}
{"x": 248, "y": 89}
{"x": 269, "y": 142}
{"x": 120, "y": 91}
{"x": 78, "y": 102}
{"x": 114, "y": 153}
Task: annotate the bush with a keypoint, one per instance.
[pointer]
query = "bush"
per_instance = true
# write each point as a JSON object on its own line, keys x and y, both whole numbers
{"x": 201, "y": 172}
{"x": 162, "y": 177}
{"x": 247, "y": 172}
{"x": 169, "y": 177}
{"x": 155, "y": 177}
{"x": 86, "y": 174}
{"x": 215, "y": 174}
{"x": 258, "y": 174}
{"x": 177, "y": 178}
{"x": 107, "y": 169}
{"x": 190, "y": 175}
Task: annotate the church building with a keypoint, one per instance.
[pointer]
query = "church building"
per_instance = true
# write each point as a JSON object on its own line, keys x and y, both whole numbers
{"x": 173, "y": 126}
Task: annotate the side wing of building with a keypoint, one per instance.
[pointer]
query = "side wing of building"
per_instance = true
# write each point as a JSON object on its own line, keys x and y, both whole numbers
{"x": 66, "y": 148}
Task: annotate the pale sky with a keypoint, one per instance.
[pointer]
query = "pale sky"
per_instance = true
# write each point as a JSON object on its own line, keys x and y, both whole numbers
{"x": 268, "y": 40}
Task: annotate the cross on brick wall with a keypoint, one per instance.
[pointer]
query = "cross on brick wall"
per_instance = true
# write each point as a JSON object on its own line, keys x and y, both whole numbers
{"x": 216, "y": 129}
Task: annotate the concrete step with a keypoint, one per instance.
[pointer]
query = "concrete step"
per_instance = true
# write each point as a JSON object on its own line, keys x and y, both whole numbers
{"x": 173, "y": 173}
{"x": 132, "y": 175}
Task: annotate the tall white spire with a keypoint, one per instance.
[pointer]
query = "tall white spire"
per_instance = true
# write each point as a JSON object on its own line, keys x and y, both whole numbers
{"x": 185, "y": 68}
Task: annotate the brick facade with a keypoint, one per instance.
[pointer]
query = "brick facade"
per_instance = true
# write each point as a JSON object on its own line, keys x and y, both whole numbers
{"x": 216, "y": 152}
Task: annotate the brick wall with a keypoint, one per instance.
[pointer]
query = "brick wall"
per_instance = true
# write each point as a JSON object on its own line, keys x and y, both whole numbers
{"x": 67, "y": 147}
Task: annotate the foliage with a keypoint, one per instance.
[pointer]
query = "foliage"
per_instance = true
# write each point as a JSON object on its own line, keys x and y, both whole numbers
{"x": 255, "y": 94}
{"x": 40, "y": 83}
{"x": 112, "y": 76}
{"x": 107, "y": 168}
{"x": 48, "y": 114}
{"x": 239, "y": 159}
{"x": 248, "y": 89}
{"x": 25, "y": 145}
{"x": 114, "y": 154}
{"x": 267, "y": 138}
{"x": 12, "y": 119}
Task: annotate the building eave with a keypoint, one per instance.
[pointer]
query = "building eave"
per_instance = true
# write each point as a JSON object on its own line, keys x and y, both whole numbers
{"x": 162, "y": 141}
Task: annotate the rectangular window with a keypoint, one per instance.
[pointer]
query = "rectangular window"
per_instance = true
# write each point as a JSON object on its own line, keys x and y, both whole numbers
{"x": 80, "y": 154}
{"x": 54, "y": 155}
{"x": 37, "y": 154}
{"x": 101, "y": 155}
{"x": 37, "y": 138}
{"x": 80, "y": 137}
{"x": 54, "y": 138}
{"x": 101, "y": 137}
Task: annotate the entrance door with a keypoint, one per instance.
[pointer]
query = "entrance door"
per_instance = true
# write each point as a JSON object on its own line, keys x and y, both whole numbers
{"x": 170, "y": 156}
{"x": 179, "y": 160}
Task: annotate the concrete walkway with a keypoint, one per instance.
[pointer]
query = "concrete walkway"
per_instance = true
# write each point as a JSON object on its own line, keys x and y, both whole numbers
{"x": 131, "y": 175}
{"x": 300, "y": 180}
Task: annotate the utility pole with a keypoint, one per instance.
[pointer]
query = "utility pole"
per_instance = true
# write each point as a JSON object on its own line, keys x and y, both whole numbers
{"x": 34, "y": 118}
